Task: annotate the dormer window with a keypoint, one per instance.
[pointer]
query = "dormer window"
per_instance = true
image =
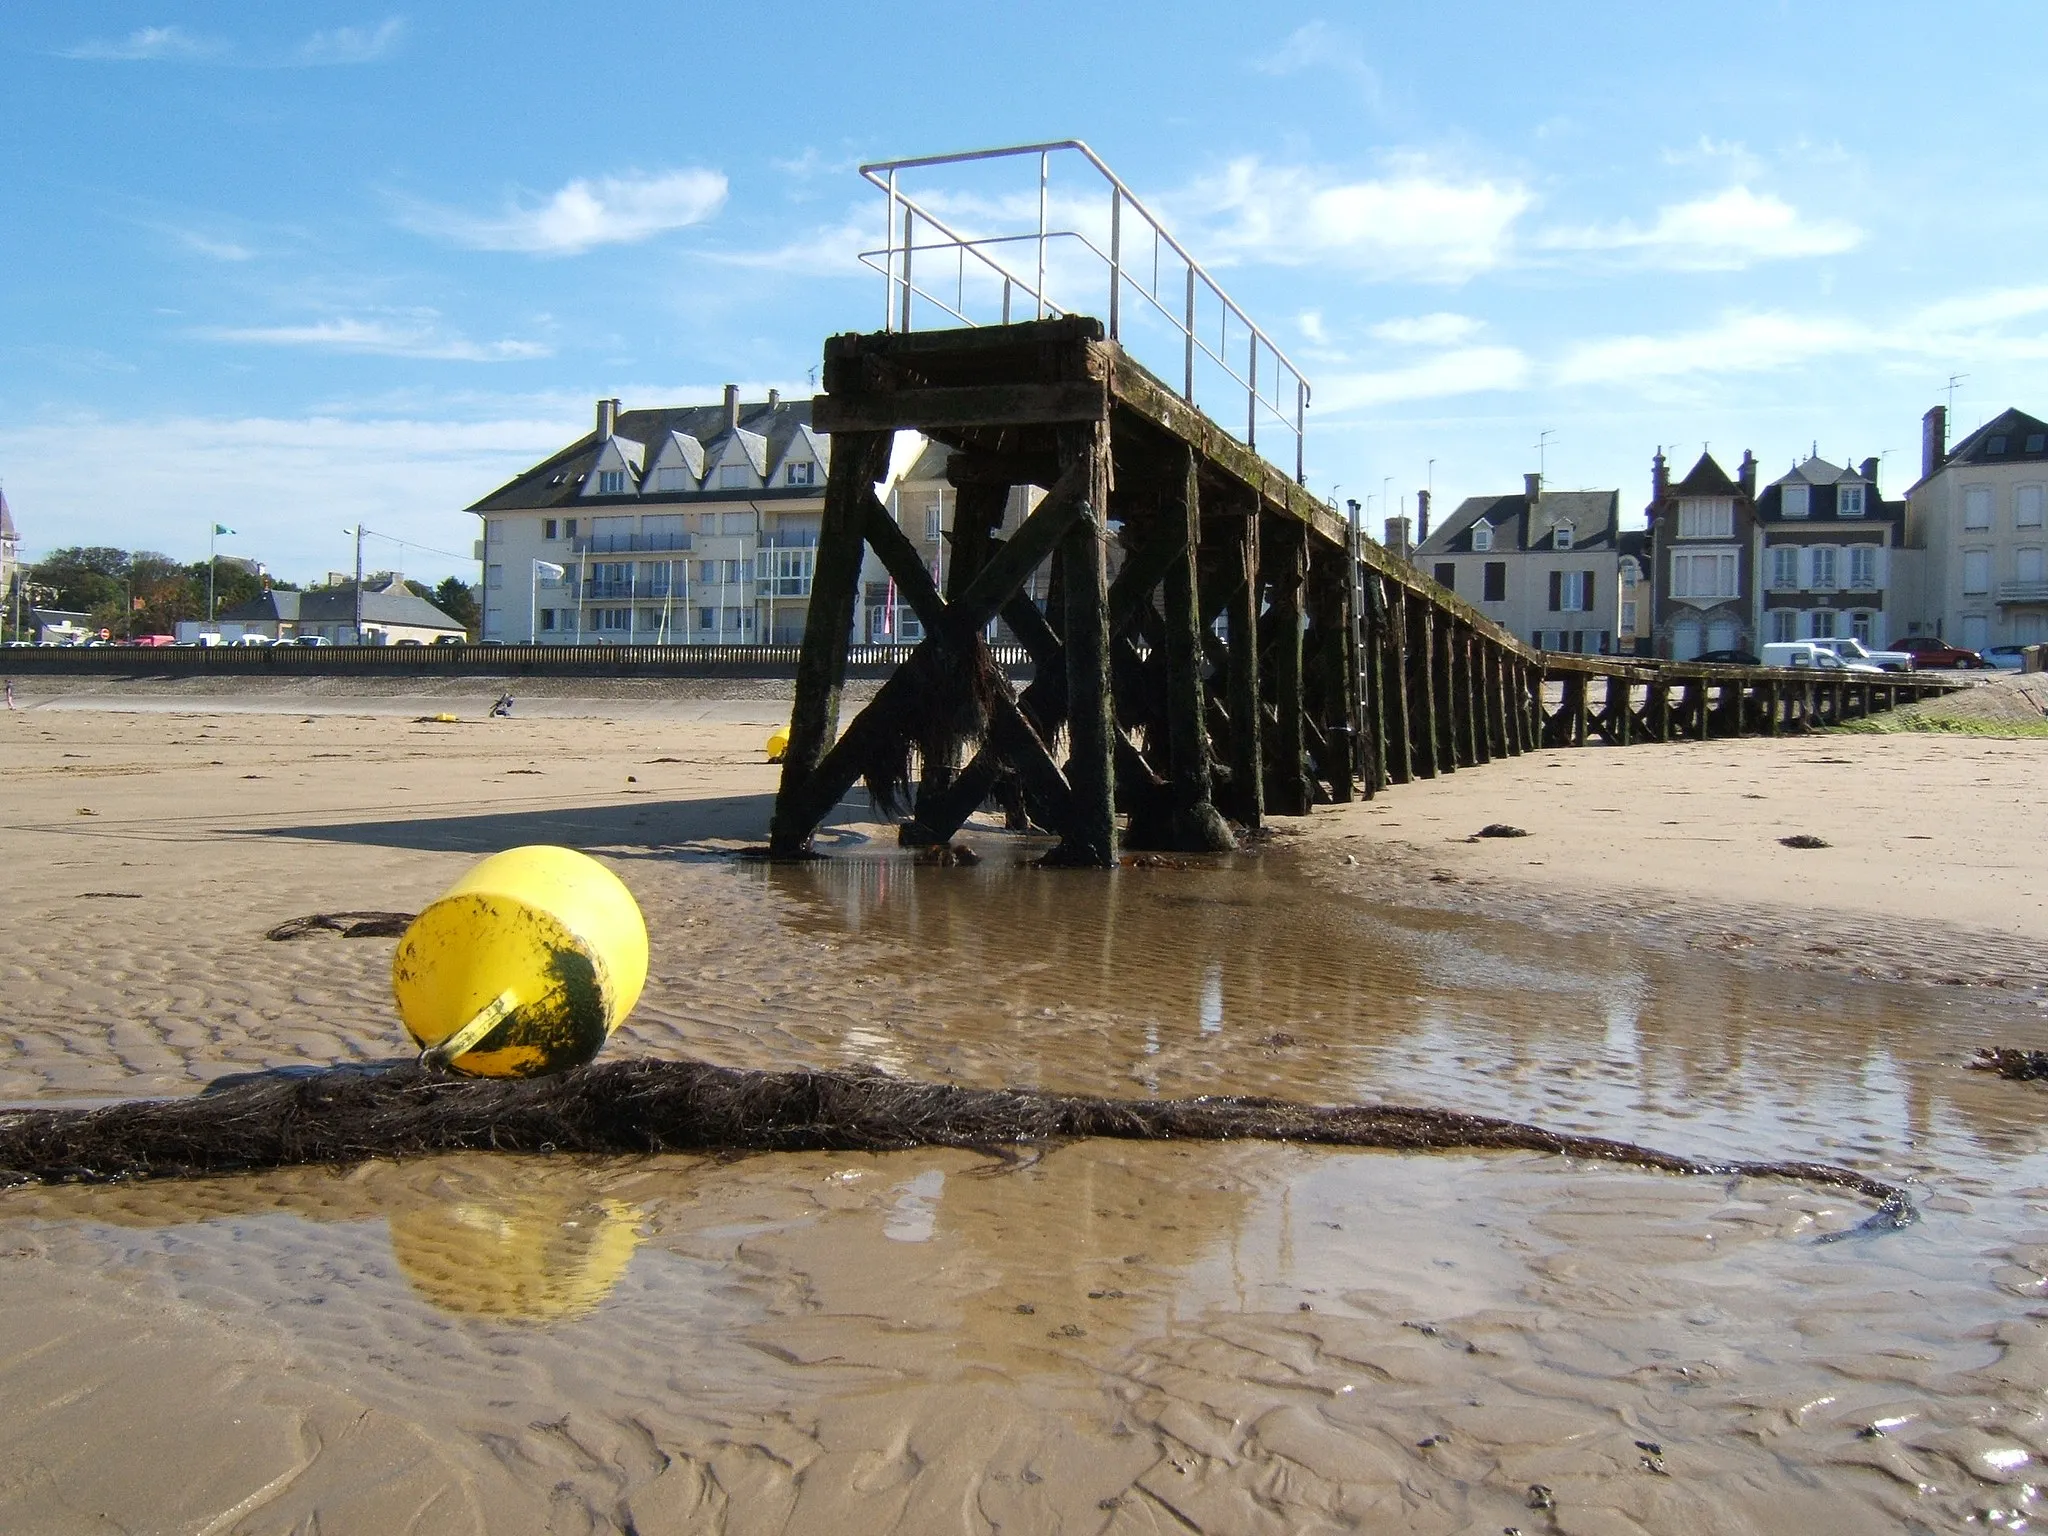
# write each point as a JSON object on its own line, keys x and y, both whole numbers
{"x": 1795, "y": 500}
{"x": 2036, "y": 441}
{"x": 1482, "y": 536}
{"x": 1849, "y": 501}
{"x": 801, "y": 474}
{"x": 611, "y": 482}
{"x": 1996, "y": 444}
{"x": 673, "y": 478}
{"x": 1561, "y": 536}
{"x": 733, "y": 477}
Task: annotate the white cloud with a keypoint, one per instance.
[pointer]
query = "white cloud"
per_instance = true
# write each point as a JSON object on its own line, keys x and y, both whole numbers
{"x": 1737, "y": 343}
{"x": 615, "y": 210}
{"x": 1727, "y": 231}
{"x": 351, "y": 45}
{"x": 416, "y": 335}
{"x": 1413, "y": 223}
{"x": 206, "y": 245}
{"x": 827, "y": 251}
{"x": 1318, "y": 45}
{"x": 1461, "y": 371}
{"x": 1435, "y": 330}
{"x": 149, "y": 43}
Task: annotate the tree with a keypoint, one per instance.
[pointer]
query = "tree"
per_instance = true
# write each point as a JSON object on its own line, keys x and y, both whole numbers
{"x": 452, "y": 598}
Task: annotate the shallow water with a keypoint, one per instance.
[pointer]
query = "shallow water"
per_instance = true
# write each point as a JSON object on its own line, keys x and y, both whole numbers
{"x": 1108, "y": 1336}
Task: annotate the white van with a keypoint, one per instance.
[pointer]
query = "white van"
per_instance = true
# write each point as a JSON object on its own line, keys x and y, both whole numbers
{"x": 1807, "y": 654}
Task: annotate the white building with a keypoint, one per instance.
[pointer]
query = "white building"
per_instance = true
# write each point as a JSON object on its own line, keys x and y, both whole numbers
{"x": 1979, "y": 511}
{"x": 687, "y": 525}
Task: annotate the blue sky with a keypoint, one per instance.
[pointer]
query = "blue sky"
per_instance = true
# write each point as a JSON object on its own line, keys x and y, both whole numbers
{"x": 293, "y": 266}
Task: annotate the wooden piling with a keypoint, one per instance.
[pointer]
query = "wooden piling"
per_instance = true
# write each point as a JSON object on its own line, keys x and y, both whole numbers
{"x": 1196, "y": 825}
{"x": 1247, "y": 711}
{"x": 1288, "y": 793}
{"x": 1091, "y": 722}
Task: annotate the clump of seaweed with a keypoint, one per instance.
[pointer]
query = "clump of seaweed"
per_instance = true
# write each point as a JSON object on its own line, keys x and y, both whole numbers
{"x": 351, "y": 1115}
{"x": 2006, "y": 1061}
{"x": 350, "y": 925}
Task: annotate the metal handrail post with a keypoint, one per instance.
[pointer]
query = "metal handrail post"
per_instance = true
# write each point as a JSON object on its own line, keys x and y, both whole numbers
{"x": 889, "y": 274}
{"x": 908, "y": 215}
{"x": 1116, "y": 254}
{"x": 1251, "y": 425}
{"x": 1300, "y": 430}
{"x": 1188, "y": 336}
{"x": 1044, "y": 172}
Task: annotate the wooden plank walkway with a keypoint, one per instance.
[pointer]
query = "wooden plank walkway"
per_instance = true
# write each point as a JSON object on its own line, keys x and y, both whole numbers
{"x": 1341, "y": 668}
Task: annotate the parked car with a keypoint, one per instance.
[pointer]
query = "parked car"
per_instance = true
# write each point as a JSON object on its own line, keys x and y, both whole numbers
{"x": 310, "y": 640}
{"x": 1851, "y": 649}
{"x": 1810, "y": 654}
{"x": 1731, "y": 658}
{"x": 154, "y": 640}
{"x": 1933, "y": 651}
{"x": 2007, "y": 658}
{"x": 252, "y": 640}
{"x": 451, "y": 639}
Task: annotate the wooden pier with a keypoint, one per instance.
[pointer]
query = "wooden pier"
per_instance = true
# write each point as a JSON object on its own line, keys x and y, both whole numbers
{"x": 1340, "y": 669}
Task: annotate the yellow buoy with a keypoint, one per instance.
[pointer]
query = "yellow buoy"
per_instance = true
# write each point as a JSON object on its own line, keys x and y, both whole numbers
{"x": 524, "y": 967}
{"x": 777, "y": 745}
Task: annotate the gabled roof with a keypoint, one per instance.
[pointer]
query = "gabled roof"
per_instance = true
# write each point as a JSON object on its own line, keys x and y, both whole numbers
{"x": 1817, "y": 471}
{"x": 680, "y": 448}
{"x": 395, "y": 604}
{"x": 557, "y": 480}
{"x": 2009, "y": 437}
{"x": 1594, "y": 517}
{"x": 930, "y": 464}
{"x": 753, "y": 448}
{"x": 6, "y": 519}
{"x": 1706, "y": 478}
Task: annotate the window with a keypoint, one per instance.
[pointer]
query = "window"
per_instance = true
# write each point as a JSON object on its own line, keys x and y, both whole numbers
{"x": 707, "y": 571}
{"x": 1995, "y": 444}
{"x": 1706, "y": 517}
{"x": 1571, "y": 591}
{"x": 2036, "y": 442}
{"x": 2026, "y": 505}
{"x": 1823, "y": 622}
{"x": 1628, "y": 617}
{"x": 653, "y": 578}
{"x": 1795, "y": 500}
{"x": 549, "y": 528}
{"x": 1976, "y": 572}
{"x": 2027, "y": 567}
{"x": 1784, "y": 624}
{"x": 1446, "y": 574}
{"x": 1977, "y": 507}
{"x": 568, "y": 527}
{"x": 805, "y": 473}
{"x": 1976, "y": 631}
{"x": 1848, "y": 501}
{"x": 671, "y": 477}
{"x": 494, "y": 530}
{"x": 494, "y": 575}
{"x": 1707, "y": 574}
{"x": 738, "y": 620}
{"x": 1824, "y": 562}
{"x": 547, "y": 618}
{"x": 1685, "y": 640}
{"x": 707, "y": 618}
{"x": 1785, "y": 567}
{"x": 734, "y": 477}
{"x": 611, "y": 482}
{"x": 736, "y": 523}
{"x": 784, "y": 572}
{"x": 1494, "y": 581}
{"x": 1561, "y": 536}
{"x": 1482, "y": 535}
{"x": 1863, "y": 569}
{"x": 611, "y": 619}
{"x": 1863, "y": 625}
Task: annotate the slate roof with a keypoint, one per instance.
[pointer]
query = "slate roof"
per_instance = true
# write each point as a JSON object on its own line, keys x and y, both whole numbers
{"x": 2009, "y": 437}
{"x": 1824, "y": 482}
{"x": 394, "y": 604}
{"x": 766, "y": 433}
{"x": 1595, "y": 518}
{"x": 929, "y": 464}
{"x": 1706, "y": 478}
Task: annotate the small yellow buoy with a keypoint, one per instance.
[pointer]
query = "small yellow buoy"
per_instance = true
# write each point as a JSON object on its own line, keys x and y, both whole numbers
{"x": 778, "y": 744}
{"x": 524, "y": 967}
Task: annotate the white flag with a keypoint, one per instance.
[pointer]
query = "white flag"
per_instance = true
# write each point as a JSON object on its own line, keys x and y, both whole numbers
{"x": 548, "y": 571}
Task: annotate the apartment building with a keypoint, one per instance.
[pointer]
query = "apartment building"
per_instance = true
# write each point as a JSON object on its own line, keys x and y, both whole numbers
{"x": 922, "y": 499}
{"x": 679, "y": 525}
{"x": 1544, "y": 565}
{"x": 1703, "y": 552}
{"x": 1978, "y": 511}
{"x": 1832, "y": 557}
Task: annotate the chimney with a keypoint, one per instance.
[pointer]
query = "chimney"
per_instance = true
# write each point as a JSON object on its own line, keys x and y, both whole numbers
{"x": 1397, "y": 538}
{"x": 732, "y": 407}
{"x": 774, "y": 398}
{"x": 607, "y": 419}
{"x": 1868, "y": 470}
{"x": 1746, "y": 475}
{"x": 1421, "y": 516}
{"x": 1933, "y": 440}
{"x": 1660, "y": 478}
{"x": 1532, "y": 487}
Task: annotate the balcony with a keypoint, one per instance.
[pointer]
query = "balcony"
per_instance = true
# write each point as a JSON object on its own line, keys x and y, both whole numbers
{"x": 630, "y": 543}
{"x": 2023, "y": 592}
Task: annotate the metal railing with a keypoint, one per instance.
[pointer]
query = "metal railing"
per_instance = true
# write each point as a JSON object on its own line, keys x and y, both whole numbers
{"x": 1159, "y": 258}
{"x": 630, "y": 543}
{"x": 2023, "y": 591}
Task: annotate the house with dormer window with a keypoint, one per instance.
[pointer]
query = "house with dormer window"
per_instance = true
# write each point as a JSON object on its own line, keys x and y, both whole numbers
{"x": 1702, "y": 549}
{"x": 1831, "y": 556}
{"x": 1544, "y": 564}
{"x": 1980, "y": 511}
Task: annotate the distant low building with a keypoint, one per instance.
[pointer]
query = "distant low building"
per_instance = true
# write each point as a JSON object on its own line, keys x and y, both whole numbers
{"x": 1544, "y": 565}
{"x": 390, "y": 614}
{"x": 1980, "y": 510}
{"x": 59, "y": 626}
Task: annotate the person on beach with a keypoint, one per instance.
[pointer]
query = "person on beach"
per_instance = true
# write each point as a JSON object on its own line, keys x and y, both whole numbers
{"x": 503, "y": 707}
{"x": 10, "y": 693}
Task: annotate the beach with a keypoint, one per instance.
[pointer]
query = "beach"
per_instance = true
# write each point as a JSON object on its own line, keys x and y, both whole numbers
{"x": 1100, "y": 1337}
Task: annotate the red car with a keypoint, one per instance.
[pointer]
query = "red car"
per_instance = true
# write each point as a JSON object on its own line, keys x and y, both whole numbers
{"x": 1932, "y": 651}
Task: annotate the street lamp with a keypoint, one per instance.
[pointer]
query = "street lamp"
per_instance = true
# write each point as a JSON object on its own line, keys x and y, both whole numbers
{"x": 357, "y": 638}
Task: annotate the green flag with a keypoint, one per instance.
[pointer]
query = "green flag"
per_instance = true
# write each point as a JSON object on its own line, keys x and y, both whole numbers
{"x": 219, "y": 528}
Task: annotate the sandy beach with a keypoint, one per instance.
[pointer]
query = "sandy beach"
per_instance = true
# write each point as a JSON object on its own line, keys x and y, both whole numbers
{"x": 1103, "y": 1337}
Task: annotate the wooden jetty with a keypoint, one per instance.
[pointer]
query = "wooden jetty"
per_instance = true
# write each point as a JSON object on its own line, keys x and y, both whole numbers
{"x": 1337, "y": 670}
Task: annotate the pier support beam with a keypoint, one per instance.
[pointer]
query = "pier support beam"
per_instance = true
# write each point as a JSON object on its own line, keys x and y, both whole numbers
{"x": 1288, "y": 794}
{"x": 1247, "y": 710}
{"x": 1091, "y": 720}
{"x": 1197, "y": 828}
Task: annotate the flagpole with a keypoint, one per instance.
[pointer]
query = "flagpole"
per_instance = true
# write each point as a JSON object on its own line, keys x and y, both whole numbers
{"x": 212, "y": 531}
{"x": 532, "y": 602}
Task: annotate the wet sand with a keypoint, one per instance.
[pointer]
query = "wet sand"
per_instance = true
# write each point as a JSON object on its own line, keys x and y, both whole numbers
{"x": 1102, "y": 1338}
